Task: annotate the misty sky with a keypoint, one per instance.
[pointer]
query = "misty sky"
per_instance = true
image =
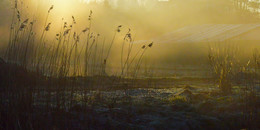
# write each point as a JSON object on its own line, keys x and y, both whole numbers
{"x": 148, "y": 17}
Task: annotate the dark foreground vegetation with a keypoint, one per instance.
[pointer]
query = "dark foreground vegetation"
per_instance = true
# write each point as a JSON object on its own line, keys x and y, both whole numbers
{"x": 31, "y": 101}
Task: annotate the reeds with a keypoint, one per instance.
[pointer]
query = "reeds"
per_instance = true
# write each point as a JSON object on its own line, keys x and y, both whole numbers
{"x": 222, "y": 59}
{"x": 59, "y": 63}
{"x": 61, "y": 57}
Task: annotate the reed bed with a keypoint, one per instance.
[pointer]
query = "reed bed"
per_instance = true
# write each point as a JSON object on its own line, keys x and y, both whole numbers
{"x": 71, "y": 62}
{"x": 70, "y": 53}
{"x": 230, "y": 72}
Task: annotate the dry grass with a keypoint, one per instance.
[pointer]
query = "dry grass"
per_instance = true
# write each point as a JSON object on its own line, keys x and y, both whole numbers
{"x": 223, "y": 60}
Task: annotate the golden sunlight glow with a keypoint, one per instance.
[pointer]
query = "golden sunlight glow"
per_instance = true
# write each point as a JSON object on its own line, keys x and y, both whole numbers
{"x": 148, "y": 20}
{"x": 64, "y": 6}
{"x": 87, "y": 1}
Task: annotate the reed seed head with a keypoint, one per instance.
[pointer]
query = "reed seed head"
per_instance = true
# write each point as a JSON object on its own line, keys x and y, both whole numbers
{"x": 150, "y": 45}
{"x": 74, "y": 35}
{"x": 128, "y": 36}
{"x": 73, "y": 18}
{"x": 65, "y": 25}
{"x": 66, "y": 32}
{"x": 26, "y": 21}
{"x": 85, "y": 30}
{"x": 48, "y": 27}
{"x": 24, "y": 24}
{"x": 50, "y": 9}
{"x": 119, "y": 28}
{"x": 18, "y": 15}
{"x": 90, "y": 15}
{"x": 22, "y": 27}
